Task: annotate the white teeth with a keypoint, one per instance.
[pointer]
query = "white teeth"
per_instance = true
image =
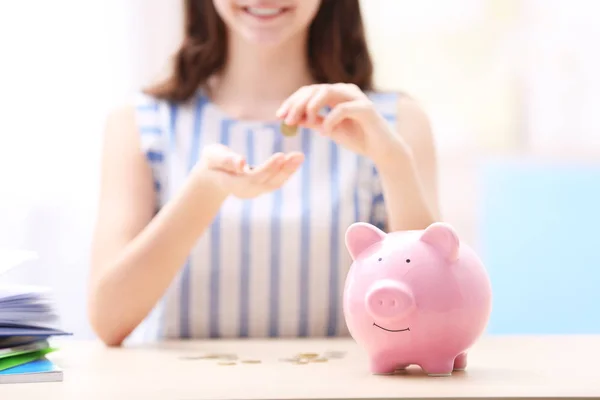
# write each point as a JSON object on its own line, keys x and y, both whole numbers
{"x": 263, "y": 12}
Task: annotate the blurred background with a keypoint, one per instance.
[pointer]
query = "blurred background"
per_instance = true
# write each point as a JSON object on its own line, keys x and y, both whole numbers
{"x": 512, "y": 88}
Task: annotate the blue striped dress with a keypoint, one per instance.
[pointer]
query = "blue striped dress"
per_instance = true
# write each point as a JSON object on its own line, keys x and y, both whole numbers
{"x": 273, "y": 266}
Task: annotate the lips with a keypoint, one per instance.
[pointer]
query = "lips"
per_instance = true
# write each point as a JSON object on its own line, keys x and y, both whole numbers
{"x": 265, "y": 12}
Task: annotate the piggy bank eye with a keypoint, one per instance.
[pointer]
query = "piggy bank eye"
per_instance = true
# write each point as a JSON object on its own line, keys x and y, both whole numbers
{"x": 380, "y": 259}
{"x": 408, "y": 260}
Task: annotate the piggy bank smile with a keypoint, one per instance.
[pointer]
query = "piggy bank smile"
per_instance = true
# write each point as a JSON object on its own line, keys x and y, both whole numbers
{"x": 391, "y": 330}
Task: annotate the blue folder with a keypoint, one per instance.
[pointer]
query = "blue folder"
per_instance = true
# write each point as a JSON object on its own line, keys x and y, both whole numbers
{"x": 41, "y": 370}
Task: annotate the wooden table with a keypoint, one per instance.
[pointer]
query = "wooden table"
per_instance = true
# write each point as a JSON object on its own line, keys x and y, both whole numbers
{"x": 506, "y": 367}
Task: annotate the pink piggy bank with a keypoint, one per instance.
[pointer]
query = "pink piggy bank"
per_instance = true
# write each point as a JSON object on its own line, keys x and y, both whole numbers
{"x": 415, "y": 297}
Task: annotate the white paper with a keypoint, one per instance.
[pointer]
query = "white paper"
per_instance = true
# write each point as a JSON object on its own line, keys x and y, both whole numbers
{"x": 10, "y": 259}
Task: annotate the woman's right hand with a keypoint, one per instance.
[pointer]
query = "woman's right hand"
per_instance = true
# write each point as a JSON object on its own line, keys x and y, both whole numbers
{"x": 235, "y": 178}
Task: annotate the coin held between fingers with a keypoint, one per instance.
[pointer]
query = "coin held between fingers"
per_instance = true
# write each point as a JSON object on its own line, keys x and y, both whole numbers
{"x": 288, "y": 130}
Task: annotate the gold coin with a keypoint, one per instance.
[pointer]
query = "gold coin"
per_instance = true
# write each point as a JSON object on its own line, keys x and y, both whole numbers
{"x": 308, "y": 355}
{"x": 334, "y": 354}
{"x": 251, "y": 361}
{"x": 192, "y": 357}
{"x": 301, "y": 362}
{"x": 210, "y": 356}
{"x": 288, "y": 130}
{"x": 227, "y": 363}
{"x": 319, "y": 360}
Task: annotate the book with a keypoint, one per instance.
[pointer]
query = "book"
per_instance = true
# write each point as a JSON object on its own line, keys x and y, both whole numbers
{"x": 11, "y": 351}
{"x": 28, "y": 319}
{"x": 10, "y": 341}
{"x": 29, "y": 309}
{"x": 25, "y": 310}
{"x": 21, "y": 359}
{"x": 39, "y": 370}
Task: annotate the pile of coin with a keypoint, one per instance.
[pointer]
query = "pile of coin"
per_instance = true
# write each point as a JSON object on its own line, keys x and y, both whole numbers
{"x": 334, "y": 354}
{"x": 225, "y": 362}
{"x": 305, "y": 358}
{"x": 228, "y": 359}
{"x": 222, "y": 358}
{"x": 212, "y": 356}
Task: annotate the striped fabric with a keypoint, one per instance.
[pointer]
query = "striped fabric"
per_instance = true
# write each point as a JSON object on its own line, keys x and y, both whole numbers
{"x": 273, "y": 266}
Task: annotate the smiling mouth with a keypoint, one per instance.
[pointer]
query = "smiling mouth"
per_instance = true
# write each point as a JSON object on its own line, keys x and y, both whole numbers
{"x": 391, "y": 330}
{"x": 264, "y": 13}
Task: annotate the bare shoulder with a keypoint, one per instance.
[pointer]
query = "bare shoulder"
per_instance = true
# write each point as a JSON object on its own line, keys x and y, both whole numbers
{"x": 124, "y": 163}
{"x": 123, "y": 113}
{"x": 121, "y": 125}
{"x": 123, "y": 158}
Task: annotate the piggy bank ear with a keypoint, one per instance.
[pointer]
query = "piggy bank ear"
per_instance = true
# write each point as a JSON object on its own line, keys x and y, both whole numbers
{"x": 444, "y": 239}
{"x": 360, "y": 236}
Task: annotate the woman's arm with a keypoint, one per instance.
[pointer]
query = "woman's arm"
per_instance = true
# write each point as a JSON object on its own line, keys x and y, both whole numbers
{"x": 410, "y": 181}
{"x": 135, "y": 255}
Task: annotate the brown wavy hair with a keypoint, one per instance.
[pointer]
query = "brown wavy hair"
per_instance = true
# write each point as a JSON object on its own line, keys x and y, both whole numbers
{"x": 336, "y": 46}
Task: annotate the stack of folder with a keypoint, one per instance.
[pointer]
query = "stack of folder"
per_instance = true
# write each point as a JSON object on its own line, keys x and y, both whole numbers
{"x": 28, "y": 322}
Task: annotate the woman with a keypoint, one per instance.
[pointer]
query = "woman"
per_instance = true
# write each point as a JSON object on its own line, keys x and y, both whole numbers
{"x": 233, "y": 229}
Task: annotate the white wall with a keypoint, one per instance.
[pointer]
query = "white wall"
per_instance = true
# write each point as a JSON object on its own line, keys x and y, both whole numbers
{"x": 64, "y": 64}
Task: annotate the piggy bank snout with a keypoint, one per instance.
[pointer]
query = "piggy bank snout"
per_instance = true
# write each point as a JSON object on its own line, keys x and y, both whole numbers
{"x": 389, "y": 300}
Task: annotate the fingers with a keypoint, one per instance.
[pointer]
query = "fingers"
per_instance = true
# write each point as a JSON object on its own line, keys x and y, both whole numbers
{"x": 305, "y": 106}
{"x": 351, "y": 110}
{"x": 296, "y": 108}
{"x": 285, "y": 106}
{"x": 319, "y": 101}
{"x": 290, "y": 166}
{"x": 218, "y": 156}
{"x": 259, "y": 175}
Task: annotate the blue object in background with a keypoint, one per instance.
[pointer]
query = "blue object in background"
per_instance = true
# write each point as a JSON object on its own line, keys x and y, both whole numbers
{"x": 540, "y": 240}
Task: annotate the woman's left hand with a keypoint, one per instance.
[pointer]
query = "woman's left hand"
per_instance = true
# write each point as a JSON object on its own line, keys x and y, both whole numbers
{"x": 353, "y": 121}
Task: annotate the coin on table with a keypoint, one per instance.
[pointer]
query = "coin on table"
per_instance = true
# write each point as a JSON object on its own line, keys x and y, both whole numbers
{"x": 308, "y": 355}
{"x": 251, "y": 361}
{"x": 209, "y": 356}
{"x": 319, "y": 360}
{"x": 227, "y": 363}
{"x": 288, "y": 130}
{"x": 192, "y": 357}
{"x": 334, "y": 354}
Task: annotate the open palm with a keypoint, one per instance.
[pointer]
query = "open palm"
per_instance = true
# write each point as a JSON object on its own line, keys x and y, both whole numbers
{"x": 237, "y": 178}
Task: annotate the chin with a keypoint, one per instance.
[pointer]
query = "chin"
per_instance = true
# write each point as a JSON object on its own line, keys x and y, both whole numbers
{"x": 267, "y": 22}
{"x": 266, "y": 39}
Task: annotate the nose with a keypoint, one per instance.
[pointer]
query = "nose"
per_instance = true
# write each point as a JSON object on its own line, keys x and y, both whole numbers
{"x": 390, "y": 300}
